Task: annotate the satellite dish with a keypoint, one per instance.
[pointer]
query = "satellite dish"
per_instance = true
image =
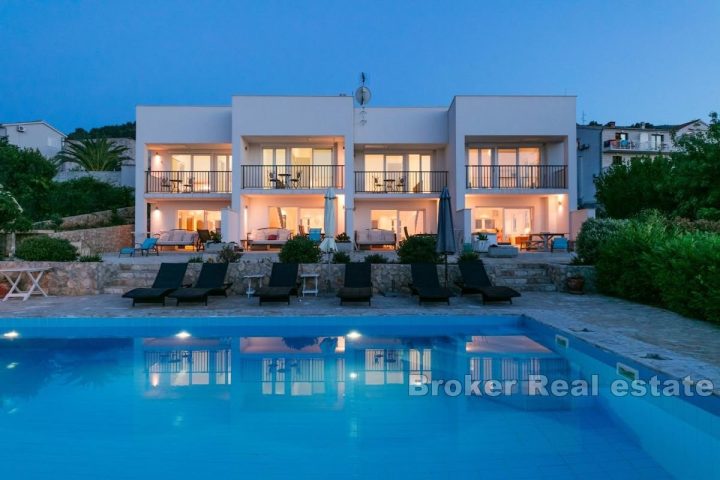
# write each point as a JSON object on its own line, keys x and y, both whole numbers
{"x": 363, "y": 95}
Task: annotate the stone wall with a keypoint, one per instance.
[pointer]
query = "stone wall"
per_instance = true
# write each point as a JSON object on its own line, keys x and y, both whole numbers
{"x": 559, "y": 274}
{"x": 67, "y": 278}
{"x": 88, "y": 220}
{"x": 99, "y": 240}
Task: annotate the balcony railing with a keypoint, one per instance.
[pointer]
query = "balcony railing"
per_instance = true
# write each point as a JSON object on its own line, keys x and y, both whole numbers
{"x": 379, "y": 181}
{"x": 516, "y": 176}
{"x": 627, "y": 145}
{"x": 294, "y": 177}
{"x": 188, "y": 182}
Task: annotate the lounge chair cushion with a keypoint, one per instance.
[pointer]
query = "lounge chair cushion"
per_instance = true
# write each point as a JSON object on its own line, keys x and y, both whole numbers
{"x": 280, "y": 293}
{"x": 147, "y": 292}
{"x": 360, "y": 293}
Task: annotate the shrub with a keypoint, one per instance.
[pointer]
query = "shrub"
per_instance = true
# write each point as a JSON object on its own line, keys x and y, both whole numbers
{"x": 468, "y": 257}
{"x": 46, "y": 249}
{"x": 686, "y": 272}
{"x": 594, "y": 233}
{"x": 418, "y": 249}
{"x": 300, "y": 250}
{"x": 625, "y": 259}
{"x": 228, "y": 255}
{"x": 196, "y": 259}
{"x": 340, "y": 257}
{"x": 95, "y": 257}
{"x": 87, "y": 195}
{"x": 376, "y": 258}
{"x": 691, "y": 226}
{"x": 342, "y": 238}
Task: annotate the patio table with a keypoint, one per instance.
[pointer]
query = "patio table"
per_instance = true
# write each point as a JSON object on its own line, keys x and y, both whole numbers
{"x": 250, "y": 289}
{"x": 544, "y": 238}
{"x": 15, "y": 275}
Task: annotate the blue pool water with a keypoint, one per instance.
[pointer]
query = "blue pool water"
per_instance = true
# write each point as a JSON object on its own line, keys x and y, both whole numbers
{"x": 318, "y": 401}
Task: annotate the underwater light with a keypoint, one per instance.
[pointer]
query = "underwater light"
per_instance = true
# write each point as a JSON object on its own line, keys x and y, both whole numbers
{"x": 353, "y": 335}
{"x": 353, "y": 375}
{"x": 183, "y": 334}
{"x": 12, "y": 334}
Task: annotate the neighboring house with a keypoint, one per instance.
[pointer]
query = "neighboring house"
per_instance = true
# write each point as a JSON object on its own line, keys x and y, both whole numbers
{"x": 36, "y": 134}
{"x": 266, "y": 161}
{"x": 600, "y": 147}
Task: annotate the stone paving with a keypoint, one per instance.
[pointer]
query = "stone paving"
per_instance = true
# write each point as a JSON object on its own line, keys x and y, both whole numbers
{"x": 686, "y": 346}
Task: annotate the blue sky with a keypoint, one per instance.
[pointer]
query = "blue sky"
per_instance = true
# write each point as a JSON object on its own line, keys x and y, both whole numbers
{"x": 88, "y": 63}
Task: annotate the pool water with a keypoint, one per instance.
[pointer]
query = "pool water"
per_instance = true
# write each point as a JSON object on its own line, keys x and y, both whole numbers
{"x": 250, "y": 404}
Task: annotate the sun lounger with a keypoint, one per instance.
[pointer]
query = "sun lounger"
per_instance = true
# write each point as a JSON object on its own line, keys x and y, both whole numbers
{"x": 358, "y": 283}
{"x": 169, "y": 278}
{"x": 475, "y": 280}
{"x": 283, "y": 283}
{"x": 426, "y": 284}
{"x": 210, "y": 282}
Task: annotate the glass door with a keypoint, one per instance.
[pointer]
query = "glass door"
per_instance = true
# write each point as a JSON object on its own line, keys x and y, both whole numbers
{"x": 517, "y": 222}
{"x": 411, "y": 220}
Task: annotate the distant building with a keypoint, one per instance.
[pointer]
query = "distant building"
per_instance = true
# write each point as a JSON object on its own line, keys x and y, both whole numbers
{"x": 600, "y": 147}
{"x": 37, "y": 134}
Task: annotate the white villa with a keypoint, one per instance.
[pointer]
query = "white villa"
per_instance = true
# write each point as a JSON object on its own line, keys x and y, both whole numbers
{"x": 267, "y": 161}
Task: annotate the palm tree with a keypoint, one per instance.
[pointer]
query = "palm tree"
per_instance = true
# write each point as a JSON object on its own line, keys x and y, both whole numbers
{"x": 94, "y": 154}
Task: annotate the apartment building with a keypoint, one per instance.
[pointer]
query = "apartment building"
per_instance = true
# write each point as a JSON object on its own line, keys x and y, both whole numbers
{"x": 37, "y": 134}
{"x": 601, "y": 146}
{"x": 267, "y": 161}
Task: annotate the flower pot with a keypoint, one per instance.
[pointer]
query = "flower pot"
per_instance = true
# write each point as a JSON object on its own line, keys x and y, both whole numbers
{"x": 344, "y": 246}
{"x": 4, "y": 289}
{"x": 575, "y": 285}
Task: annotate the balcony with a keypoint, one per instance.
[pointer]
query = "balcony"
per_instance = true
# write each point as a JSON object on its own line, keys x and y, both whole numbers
{"x": 292, "y": 177}
{"x": 379, "y": 181}
{"x": 516, "y": 176}
{"x": 175, "y": 182}
{"x": 630, "y": 146}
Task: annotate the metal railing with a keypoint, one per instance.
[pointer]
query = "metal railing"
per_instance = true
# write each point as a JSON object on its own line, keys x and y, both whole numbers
{"x": 627, "y": 145}
{"x": 188, "y": 182}
{"x": 295, "y": 177}
{"x": 516, "y": 176}
{"x": 379, "y": 181}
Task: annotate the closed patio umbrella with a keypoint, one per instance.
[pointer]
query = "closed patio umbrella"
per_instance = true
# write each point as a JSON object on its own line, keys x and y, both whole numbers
{"x": 328, "y": 243}
{"x": 445, "y": 231}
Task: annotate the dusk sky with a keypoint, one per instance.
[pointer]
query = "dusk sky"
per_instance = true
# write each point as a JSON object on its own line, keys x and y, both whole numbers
{"x": 89, "y": 63}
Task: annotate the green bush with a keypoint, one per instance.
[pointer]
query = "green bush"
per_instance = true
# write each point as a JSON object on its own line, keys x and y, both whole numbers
{"x": 87, "y": 195}
{"x": 342, "y": 237}
{"x": 46, "y": 249}
{"x": 594, "y": 233}
{"x": 624, "y": 263}
{"x": 228, "y": 255}
{"x": 300, "y": 250}
{"x": 418, "y": 249}
{"x": 686, "y": 271}
{"x": 95, "y": 257}
{"x": 196, "y": 259}
{"x": 376, "y": 258}
{"x": 340, "y": 257}
{"x": 468, "y": 257}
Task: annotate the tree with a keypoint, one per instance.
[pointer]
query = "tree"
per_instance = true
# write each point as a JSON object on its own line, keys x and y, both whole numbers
{"x": 695, "y": 178}
{"x": 27, "y": 175}
{"x": 125, "y": 130}
{"x": 625, "y": 190}
{"x": 94, "y": 155}
{"x": 12, "y": 218}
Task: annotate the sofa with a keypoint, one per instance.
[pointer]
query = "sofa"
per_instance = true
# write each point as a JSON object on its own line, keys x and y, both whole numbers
{"x": 178, "y": 238}
{"x": 374, "y": 237}
{"x": 269, "y": 237}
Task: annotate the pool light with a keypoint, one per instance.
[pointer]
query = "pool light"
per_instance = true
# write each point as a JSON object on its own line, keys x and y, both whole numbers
{"x": 12, "y": 334}
{"x": 353, "y": 375}
{"x": 353, "y": 335}
{"x": 183, "y": 335}
{"x": 12, "y": 365}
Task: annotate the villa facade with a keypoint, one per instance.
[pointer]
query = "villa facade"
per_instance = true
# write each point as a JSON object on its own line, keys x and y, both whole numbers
{"x": 267, "y": 161}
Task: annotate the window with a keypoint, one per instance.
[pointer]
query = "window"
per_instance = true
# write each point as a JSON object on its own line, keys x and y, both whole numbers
{"x": 292, "y": 217}
{"x": 399, "y": 172}
{"x": 621, "y": 136}
{"x": 617, "y": 160}
{"x": 503, "y": 167}
{"x": 656, "y": 141}
{"x": 199, "y": 220}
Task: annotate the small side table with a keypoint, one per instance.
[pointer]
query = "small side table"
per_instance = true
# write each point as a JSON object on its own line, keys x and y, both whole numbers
{"x": 305, "y": 287}
{"x": 250, "y": 289}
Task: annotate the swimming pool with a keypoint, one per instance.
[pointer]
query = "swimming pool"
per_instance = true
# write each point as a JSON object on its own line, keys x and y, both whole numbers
{"x": 333, "y": 397}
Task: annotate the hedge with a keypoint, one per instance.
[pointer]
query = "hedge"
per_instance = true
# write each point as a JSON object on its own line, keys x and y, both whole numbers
{"x": 39, "y": 249}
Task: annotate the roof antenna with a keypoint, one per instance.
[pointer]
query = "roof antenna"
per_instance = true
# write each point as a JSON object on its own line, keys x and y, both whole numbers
{"x": 362, "y": 97}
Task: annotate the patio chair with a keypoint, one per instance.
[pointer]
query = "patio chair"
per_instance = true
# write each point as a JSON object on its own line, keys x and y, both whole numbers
{"x": 168, "y": 279}
{"x": 379, "y": 187}
{"x": 211, "y": 282}
{"x": 358, "y": 283}
{"x": 400, "y": 187}
{"x": 426, "y": 284}
{"x": 476, "y": 280}
{"x": 296, "y": 181}
{"x": 559, "y": 244}
{"x": 190, "y": 185}
{"x": 202, "y": 239}
{"x": 283, "y": 283}
{"x": 315, "y": 235}
{"x": 148, "y": 246}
